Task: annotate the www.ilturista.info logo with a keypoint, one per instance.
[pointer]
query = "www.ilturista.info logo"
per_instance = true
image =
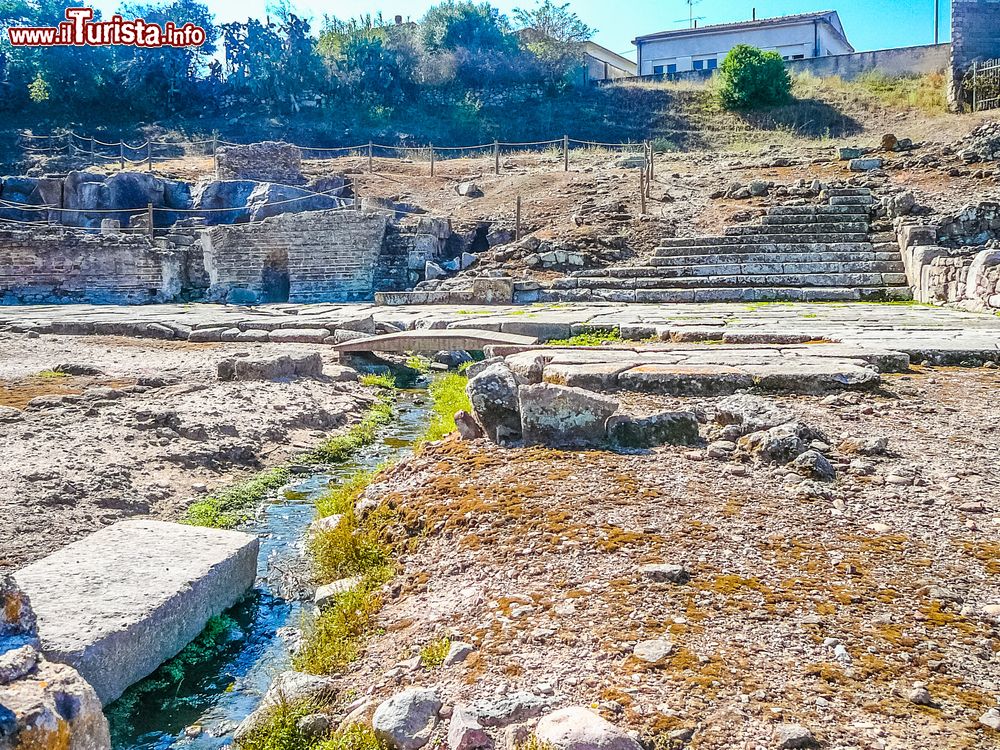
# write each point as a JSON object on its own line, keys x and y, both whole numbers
{"x": 79, "y": 30}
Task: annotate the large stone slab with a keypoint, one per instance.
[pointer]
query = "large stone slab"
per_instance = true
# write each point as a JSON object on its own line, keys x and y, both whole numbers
{"x": 434, "y": 340}
{"x": 118, "y": 603}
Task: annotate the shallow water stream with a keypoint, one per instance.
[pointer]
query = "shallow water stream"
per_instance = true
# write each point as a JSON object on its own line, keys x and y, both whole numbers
{"x": 203, "y": 710}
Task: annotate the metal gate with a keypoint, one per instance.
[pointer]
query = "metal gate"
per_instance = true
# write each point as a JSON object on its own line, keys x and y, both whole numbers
{"x": 984, "y": 85}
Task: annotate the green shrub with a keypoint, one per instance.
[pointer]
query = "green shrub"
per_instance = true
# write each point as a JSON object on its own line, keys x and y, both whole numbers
{"x": 597, "y": 337}
{"x": 237, "y": 504}
{"x": 355, "y": 737}
{"x": 447, "y": 397}
{"x": 433, "y": 654}
{"x": 279, "y": 730}
{"x": 750, "y": 77}
{"x": 383, "y": 380}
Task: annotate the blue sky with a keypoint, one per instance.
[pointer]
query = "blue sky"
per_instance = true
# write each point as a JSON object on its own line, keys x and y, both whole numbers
{"x": 870, "y": 24}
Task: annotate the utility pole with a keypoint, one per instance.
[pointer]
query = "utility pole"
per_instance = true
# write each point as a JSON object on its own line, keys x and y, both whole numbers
{"x": 937, "y": 19}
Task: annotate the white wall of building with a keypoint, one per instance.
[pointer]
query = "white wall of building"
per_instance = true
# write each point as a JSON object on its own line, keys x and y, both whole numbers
{"x": 704, "y": 49}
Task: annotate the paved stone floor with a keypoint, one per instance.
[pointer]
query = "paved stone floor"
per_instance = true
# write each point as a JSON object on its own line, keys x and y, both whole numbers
{"x": 944, "y": 335}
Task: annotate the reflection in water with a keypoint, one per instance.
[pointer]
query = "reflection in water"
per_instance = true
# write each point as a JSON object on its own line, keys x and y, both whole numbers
{"x": 216, "y": 694}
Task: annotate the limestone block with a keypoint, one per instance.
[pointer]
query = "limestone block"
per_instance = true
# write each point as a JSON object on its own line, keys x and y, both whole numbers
{"x": 560, "y": 415}
{"x": 118, "y": 603}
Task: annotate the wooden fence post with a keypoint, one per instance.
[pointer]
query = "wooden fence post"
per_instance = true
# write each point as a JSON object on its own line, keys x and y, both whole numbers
{"x": 649, "y": 149}
{"x": 642, "y": 191}
{"x": 496, "y": 157}
{"x": 370, "y": 159}
{"x": 975, "y": 87}
{"x": 149, "y": 155}
{"x": 121, "y": 155}
{"x": 215, "y": 154}
{"x": 565, "y": 153}
{"x": 517, "y": 220}
{"x": 93, "y": 159}
{"x": 149, "y": 214}
{"x": 432, "y": 160}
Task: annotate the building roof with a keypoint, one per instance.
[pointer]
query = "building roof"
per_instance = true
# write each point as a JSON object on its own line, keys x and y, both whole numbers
{"x": 594, "y": 49}
{"x": 827, "y": 16}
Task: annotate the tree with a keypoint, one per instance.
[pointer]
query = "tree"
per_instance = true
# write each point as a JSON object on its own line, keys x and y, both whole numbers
{"x": 750, "y": 77}
{"x": 165, "y": 78}
{"x": 555, "y": 36}
{"x": 474, "y": 40}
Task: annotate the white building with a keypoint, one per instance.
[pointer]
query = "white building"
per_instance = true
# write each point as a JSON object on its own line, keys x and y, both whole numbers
{"x": 605, "y": 65}
{"x": 703, "y": 48}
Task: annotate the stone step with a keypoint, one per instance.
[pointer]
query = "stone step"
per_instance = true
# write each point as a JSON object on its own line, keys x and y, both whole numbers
{"x": 848, "y": 191}
{"x": 817, "y": 211}
{"x": 852, "y": 200}
{"x": 781, "y": 265}
{"x": 784, "y": 220}
{"x": 684, "y": 280}
{"x": 772, "y": 239}
{"x": 841, "y": 227}
{"x": 730, "y": 294}
{"x": 749, "y": 248}
{"x": 817, "y": 257}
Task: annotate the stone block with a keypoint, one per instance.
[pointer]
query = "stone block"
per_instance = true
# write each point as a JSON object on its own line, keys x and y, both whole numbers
{"x": 560, "y": 416}
{"x": 118, "y": 603}
{"x": 685, "y": 380}
{"x": 299, "y": 335}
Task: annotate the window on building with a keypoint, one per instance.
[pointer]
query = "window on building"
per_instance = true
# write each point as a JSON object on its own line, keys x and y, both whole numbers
{"x": 699, "y": 64}
{"x": 672, "y": 68}
{"x": 798, "y": 57}
{"x": 657, "y": 70}
{"x": 713, "y": 64}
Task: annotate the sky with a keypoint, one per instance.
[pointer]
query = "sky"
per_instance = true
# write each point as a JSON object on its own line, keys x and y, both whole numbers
{"x": 870, "y": 24}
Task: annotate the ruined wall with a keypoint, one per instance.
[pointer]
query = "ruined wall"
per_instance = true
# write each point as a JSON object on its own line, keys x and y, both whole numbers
{"x": 51, "y": 266}
{"x": 267, "y": 161}
{"x": 319, "y": 256}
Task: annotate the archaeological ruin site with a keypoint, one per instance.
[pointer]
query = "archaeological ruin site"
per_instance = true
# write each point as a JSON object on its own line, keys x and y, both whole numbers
{"x": 524, "y": 397}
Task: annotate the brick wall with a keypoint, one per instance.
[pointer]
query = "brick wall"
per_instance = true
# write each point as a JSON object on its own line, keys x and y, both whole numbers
{"x": 46, "y": 266}
{"x": 325, "y": 255}
{"x": 975, "y": 35}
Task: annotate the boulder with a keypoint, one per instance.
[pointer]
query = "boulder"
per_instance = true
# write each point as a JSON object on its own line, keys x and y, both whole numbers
{"x": 507, "y": 709}
{"x": 865, "y": 165}
{"x": 793, "y": 736}
{"x": 493, "y": 394}
{"x": 864, "y": 446}
{"x": 270, "y": 199}
{"x": 814, "y": 465}
{"x": 653, "y": 651}
{"x": 327, "y": 595}
{"x": 750, "y": 413}
{"x": 578, "y": 728}
{"x": 778, "y": 445}
{"x": 560, "y": 415}
{"x": 469, "y": 190}
{"x": 407, "y": 719}
{"x": 285, "y": 367}
{"x": 465, "y": 732}
{"x": 42, "y": 704}
{"x": 665, "y": 428}
{"x": 224, "y": 200}
{"x": 467, "y": 426}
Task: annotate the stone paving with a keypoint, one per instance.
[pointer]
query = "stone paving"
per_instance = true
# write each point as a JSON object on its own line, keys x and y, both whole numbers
{"x": 941, "y": 335}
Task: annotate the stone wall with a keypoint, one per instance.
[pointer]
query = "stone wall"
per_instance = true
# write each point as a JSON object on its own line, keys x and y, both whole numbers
{"x": 319, "y": 256}
{"x": 975, "y": 35}
{"x": 968, "y": 276}
{"x": 268, "y": 161}
{"x": 46, "y": 266}
{"x": 920, "y": 60}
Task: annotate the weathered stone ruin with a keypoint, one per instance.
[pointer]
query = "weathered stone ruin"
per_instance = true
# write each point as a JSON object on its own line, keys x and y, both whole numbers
{"x": 268, "y": 161}
{"x": 43, "y": 704}
{"x": 956, "y": 260}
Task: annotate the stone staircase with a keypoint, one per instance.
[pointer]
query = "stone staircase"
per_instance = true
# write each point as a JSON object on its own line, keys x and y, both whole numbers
{"x": 824, "y": 252}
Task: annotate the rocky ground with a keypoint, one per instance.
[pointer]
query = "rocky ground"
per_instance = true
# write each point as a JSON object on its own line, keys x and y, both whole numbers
{"x": 141, "y": 428}
{"x": 697, "y": 595}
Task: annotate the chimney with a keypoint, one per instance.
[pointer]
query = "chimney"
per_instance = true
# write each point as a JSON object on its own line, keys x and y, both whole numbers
{"x": 696, "y": 23}
{"x": 399, "y": 20}
{"x": 754, "y": 18}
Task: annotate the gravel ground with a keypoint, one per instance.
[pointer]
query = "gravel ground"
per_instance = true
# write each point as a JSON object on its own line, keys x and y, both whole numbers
{"x": 824, "y": 605}
{"x": 146, "y": 434}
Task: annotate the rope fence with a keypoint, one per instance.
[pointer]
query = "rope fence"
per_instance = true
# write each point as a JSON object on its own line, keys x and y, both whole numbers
{"x": 124, "y": 153}
{"x": 147, "y": 153}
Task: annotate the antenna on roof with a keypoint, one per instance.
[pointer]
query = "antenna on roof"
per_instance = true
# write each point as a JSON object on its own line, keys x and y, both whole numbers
{"x": 692, "y": 21}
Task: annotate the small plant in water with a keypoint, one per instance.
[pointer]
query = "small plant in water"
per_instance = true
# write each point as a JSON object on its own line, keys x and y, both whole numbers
{"x": 52, "y": 374}
{"x": 378, "y": 380}
{"x": 433, "y": 654}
